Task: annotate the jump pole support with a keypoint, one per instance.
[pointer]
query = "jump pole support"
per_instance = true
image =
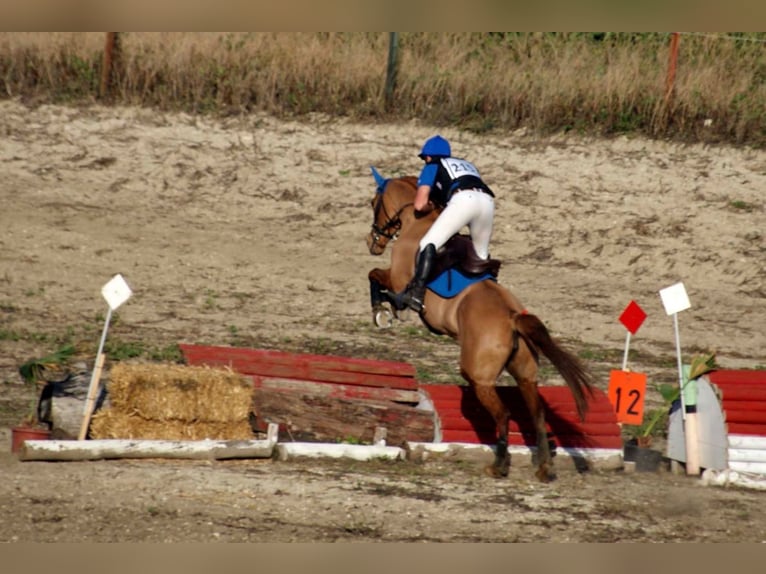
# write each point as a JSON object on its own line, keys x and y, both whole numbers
{"x": 94, "y": 380}
{"x": 116, "y": 292}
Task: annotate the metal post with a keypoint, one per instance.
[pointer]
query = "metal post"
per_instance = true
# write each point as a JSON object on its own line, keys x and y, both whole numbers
{"x": 393, "y": 42}
{"x": 680, "y": 366}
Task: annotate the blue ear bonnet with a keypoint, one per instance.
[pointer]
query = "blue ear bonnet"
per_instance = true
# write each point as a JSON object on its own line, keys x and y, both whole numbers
{"x": 379, "y": 179}
{"x": 436, "y": 146}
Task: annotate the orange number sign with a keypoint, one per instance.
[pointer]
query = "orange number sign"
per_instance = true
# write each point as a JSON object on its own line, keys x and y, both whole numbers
{"x": 626, "y": 393}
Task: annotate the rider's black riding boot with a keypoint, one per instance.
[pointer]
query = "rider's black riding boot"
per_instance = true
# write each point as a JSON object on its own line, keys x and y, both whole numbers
{"x": 415, "y": 292}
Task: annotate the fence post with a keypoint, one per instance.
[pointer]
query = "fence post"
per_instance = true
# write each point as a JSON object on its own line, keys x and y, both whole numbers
{"x": 670, "y": 82}
{"x": 393, "y": 41}
{"x": 111, "y": 50}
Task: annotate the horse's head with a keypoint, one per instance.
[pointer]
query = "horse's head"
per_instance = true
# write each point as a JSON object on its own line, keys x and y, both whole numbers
{"x": 392, "y": 196}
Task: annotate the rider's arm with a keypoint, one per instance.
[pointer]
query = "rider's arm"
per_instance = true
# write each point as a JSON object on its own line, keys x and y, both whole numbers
{"x": 425, "y": 181}
{"x": 421, "y": 199}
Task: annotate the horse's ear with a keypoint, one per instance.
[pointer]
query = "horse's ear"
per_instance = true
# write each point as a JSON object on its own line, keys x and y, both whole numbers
{"x": 379, "y": 179}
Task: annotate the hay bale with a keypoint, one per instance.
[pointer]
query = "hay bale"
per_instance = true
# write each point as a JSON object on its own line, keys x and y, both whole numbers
{"x": 112, "y": 424}
{"x": 174, "y": 402}
{"x": 164, "y": 392}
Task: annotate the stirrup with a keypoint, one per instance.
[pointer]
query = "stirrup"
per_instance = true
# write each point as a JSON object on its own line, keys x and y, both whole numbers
{"x": 404, "y": 299}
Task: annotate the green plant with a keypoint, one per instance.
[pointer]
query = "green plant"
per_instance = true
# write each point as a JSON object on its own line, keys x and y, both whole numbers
{"x": 119, "y": 350}
{"x": 741, "y": 205}
{"x": 170, "y": 353}
{"x": 670, "y": 393}
{"x": 352, "y": 440}
{"x": 33, "y": 370}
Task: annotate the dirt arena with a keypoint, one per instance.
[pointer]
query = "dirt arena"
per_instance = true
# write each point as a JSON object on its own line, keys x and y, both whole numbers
{"x": 250, "y": 231}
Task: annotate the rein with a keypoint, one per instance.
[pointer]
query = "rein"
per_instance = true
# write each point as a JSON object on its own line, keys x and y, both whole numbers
{"x": 392, "y": 223}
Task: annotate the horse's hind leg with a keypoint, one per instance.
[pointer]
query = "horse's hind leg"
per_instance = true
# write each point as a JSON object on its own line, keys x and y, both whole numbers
{"x": 490, "y": 400}
{"x": 529, "y": 391}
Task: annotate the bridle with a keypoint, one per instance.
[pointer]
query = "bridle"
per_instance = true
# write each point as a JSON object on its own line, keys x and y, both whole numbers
{"x": 393, "y": 224}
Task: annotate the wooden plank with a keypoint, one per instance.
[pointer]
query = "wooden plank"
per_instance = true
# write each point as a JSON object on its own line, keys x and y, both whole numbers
{"x": 336, "y": 390}
{"x": 745, "y": 428}
{"x": 754, "y": 393}
{"x": 313, "y": 373}
{"x": 174, "y": 449}
{"x": 595, "y": 429}
{"x": 747, "y": 455}
{"x": 557, "y": 401}
{"x": 296, "y": 450}
{"x": 327, "y": 362}
{"x": 564, "y": 441}
{"x": 746, "y": 417}
{"x": 743, "y": 405}
{"x": 754, "y": 467}
{"x": 747, "y": 441}
{"x": 737, "y": 376}
{"x": 322, "y": 418}
{"x": 598, "y": 417}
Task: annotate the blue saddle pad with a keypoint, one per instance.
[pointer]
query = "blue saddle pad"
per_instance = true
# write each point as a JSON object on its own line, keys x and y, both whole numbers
{"x": 452, "y": 281}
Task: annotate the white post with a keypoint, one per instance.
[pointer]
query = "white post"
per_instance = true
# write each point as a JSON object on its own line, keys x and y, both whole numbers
{"x": 680, "y": 366}
{"x": 625, "y": 357}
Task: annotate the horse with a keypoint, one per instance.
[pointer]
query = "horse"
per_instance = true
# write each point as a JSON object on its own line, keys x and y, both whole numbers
{"x": 491, "y": 326}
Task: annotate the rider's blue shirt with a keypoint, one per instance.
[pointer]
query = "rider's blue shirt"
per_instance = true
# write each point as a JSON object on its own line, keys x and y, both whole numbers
{"x": 445, "y": 175}
{"x": 428, "y": 174}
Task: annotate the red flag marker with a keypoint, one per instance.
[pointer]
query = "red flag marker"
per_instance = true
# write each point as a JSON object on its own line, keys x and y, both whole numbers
{"x": 632, "y": 317}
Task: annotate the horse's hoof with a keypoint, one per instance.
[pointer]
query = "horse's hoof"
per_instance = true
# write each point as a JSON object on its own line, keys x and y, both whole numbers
{"x": 495, "y": 471}
{"x": 383, "y": 318}
{"x": 544, "y": 474}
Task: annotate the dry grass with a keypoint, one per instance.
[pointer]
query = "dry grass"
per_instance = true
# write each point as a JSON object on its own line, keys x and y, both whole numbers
{"x": 546, "y": 82}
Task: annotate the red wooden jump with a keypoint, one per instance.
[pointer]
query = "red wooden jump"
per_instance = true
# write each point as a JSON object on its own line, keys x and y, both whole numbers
{"x": 743, "y": 399}
{"x": 463, "y": 419}
{"x": 461, "y": 416}
{"x": 326, "y": 374}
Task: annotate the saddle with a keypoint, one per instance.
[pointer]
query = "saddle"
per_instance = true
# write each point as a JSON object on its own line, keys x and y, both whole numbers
{"x": 459, "y": 253}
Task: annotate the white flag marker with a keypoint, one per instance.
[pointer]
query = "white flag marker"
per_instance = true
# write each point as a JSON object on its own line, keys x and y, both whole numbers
{"x": 675, "y": 299}
{"x": 116, "y": 292}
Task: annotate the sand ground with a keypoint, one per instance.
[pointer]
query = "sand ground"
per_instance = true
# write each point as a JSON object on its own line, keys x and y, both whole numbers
{"x": 251, "y": 231}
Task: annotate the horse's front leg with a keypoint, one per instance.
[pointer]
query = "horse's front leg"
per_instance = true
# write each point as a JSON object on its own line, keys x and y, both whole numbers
{"x": 380, "y": 287}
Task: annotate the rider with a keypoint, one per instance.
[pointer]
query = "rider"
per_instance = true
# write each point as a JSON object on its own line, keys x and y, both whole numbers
{"x": 455, "y": 185}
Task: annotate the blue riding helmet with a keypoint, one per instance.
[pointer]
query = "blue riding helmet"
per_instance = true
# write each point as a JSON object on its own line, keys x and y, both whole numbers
{"x": 436, "y": 146}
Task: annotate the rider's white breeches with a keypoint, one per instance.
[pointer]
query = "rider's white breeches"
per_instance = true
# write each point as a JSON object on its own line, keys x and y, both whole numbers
{"x": 473, "y": 208}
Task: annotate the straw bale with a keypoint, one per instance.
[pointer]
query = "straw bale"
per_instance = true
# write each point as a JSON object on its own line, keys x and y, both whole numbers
{"x": 112, "y": 424}
{"x": 163, "y": 392}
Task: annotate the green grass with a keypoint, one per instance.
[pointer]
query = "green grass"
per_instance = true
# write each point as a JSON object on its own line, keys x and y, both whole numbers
{"x": 740, "y": 205}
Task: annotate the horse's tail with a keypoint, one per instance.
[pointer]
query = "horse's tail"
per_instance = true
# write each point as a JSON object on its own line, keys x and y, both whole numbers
{"x": 536, "y": 335}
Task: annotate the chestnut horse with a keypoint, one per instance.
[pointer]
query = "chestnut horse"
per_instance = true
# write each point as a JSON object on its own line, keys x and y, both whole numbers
{"x": 489, "y": 323}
